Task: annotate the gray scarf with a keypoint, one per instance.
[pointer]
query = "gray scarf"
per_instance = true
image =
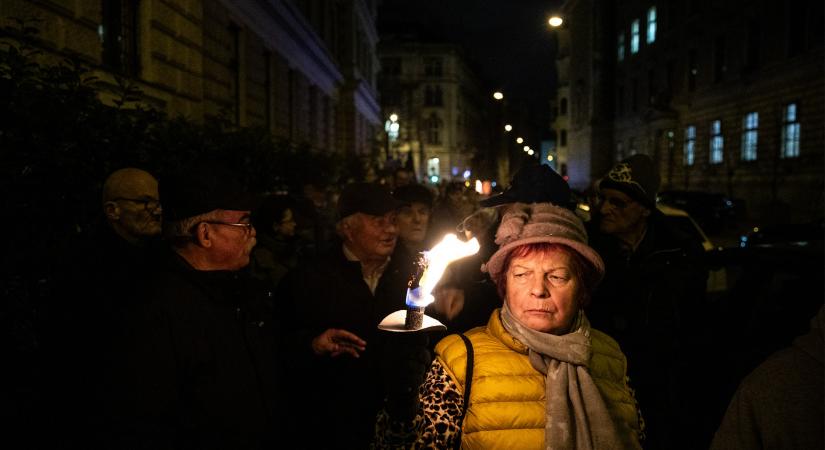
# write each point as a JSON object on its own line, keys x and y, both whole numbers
{"x": 577, "y": 417}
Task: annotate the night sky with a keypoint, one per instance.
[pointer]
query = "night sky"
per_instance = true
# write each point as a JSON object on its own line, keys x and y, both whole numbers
{"x": 507, "y": 41}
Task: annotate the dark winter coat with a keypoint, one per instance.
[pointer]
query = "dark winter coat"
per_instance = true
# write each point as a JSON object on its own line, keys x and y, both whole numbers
{"x": 200, "y": 364}
{"x": 342, "y": 393}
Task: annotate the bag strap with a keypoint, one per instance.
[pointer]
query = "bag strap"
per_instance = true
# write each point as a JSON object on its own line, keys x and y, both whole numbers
{"x": 468, "y": 381}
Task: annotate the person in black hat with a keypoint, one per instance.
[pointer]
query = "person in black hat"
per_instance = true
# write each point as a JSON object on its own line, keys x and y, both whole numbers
{"x": 335, "y": 303}
{"x": 200, "y": 364}
{"x": 651, "y": 299}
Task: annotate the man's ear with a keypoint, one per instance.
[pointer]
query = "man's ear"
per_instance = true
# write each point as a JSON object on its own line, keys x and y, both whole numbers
{"x": 203, "y": 236}
{"x": 111, "y": 210}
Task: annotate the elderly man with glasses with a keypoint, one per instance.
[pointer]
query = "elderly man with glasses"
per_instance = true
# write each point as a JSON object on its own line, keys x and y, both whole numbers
{"x": 651, "y": 300}
{"x": 200, "y": 364}
{"x": 337, "y": 301}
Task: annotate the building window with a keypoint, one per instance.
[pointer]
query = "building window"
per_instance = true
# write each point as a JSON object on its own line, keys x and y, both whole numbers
{"x": 119, "y": 35}
{"x": 433, "y": 96}
{"x": 563, "y": 138}
{"x": 651, "y": 25}
{"x": 693, "y": 70}
{"x": 433, "y": 67}
{"x": 634, "y": 37}
{"x": 790, "y": 132}
{"x": 434, "y": 130}
{"x": 719, "y": 65}
{"x": 620, "y": 47}
{"x": 717, "y": 142}
{"x": 750, "y": 136}
{"x": 752, "y": 45}
{"x": 563, "y": 107}
{"x": 690, "y": 145}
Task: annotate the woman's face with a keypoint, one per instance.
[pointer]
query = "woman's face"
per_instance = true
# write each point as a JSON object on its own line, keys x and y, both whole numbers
{"x": 542, "y": 291}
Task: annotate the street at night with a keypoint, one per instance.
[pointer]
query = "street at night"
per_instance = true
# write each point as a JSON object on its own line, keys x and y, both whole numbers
{"x": 368, "y": 224}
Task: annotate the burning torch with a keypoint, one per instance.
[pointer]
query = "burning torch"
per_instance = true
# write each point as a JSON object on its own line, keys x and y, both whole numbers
{"x": 435, "y": 262}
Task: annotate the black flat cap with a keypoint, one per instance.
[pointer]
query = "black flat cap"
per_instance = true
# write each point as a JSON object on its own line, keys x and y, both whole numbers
{"x": 535, "y": 183}
{"x": 201, "y": 188}
{"x": 367, "y": 198}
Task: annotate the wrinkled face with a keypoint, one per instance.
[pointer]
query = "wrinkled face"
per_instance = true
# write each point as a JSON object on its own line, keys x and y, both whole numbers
{"x": 286, "y": 226}
{"x": 371, "y": 237}
{"x": 542, "y": 291}
{"x": 232, "y": 241}
{"x": 412, "y": 222}
{"x": 620, "y": 213}
{"x": 138, "y": 209}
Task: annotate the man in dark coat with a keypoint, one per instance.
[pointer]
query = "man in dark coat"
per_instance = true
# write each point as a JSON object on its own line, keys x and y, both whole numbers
{"x": 651, "y": 297}
{"x": 200, "y": 365}
{"x": 82, "y": 316}
{"x": 335, "y": 303}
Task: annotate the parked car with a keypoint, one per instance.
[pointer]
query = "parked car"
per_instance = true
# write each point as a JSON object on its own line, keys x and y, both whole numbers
{"x": 682, "y": 221}
{"x": 713, "y": 211}
{"x": 788, "y": 234}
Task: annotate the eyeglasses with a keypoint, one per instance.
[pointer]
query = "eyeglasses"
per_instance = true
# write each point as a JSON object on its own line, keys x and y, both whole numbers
{"x": 245, "y": 226}
{"x": 149, "y": 204}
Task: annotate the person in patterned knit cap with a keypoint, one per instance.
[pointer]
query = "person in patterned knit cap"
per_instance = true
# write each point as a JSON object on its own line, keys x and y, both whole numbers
{"x": 537, "y": 376}
{"x": 650, "y": 301}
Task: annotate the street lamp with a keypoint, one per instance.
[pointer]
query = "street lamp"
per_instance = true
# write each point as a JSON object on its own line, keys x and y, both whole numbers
{"x": 498, "y": 95}
{"x": 555, "y": 21}
{"x": 391, "y": 126}
{"x": 508, "y": 127}
{"x": 519, "y": 140}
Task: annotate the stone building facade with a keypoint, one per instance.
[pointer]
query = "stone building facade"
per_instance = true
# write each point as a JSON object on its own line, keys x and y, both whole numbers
{"x": 305, "y": 69}
{"x": 726, "y": 96}
{"x": 436, "y": 98}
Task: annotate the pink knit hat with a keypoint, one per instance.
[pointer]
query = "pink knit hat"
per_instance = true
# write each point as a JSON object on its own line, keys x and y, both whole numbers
{"x": 540, "y": 222}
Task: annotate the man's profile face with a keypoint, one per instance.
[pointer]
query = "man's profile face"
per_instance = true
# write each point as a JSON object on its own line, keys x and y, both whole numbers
{"x": 620, "y": 213}
{"x": 372, "y": 237}
{"x": 232, "y": 242}
{"x": 138, "y": 206}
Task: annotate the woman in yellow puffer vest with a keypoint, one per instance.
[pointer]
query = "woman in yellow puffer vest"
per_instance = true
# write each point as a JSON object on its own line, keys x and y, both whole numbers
{"x": 539, "y": 376}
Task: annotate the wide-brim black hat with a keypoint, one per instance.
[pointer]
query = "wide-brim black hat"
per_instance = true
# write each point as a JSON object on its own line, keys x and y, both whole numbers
{"x": 202, "y": 188}
{"x": 536, "y": 183}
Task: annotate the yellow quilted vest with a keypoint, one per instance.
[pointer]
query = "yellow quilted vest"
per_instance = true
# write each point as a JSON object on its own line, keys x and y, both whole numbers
{"x": 507, "y": 407}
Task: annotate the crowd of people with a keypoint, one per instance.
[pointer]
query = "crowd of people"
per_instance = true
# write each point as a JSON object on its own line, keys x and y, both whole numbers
{"x": 212, "y": 317}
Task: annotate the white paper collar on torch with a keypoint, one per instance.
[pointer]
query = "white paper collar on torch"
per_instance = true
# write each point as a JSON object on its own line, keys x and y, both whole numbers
{"x": 436, "y": 260}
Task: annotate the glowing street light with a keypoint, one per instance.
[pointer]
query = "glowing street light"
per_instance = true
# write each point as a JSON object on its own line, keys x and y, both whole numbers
{"x": 526, "y": 148}
{"x": 394, "y": 117}
{"x": 530, "y": 152}
{"x": 519, "y": 140}
{"x": 555, "y": 21}
{"x": 508, "y": 127}
{"x": 498, "y": 95}
{"x": 549, "y": 157}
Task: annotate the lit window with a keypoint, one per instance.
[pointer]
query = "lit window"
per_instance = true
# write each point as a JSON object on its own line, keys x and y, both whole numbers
{"x": 790, "y": 132}
{"x": 750, "y": 135}
{"x": 634, "y": 37}
{"x": 690, "y": 145}
{"x": 620, "y": 47}
{"x": 717, "y": 142}
{"x": 651, "y": 25}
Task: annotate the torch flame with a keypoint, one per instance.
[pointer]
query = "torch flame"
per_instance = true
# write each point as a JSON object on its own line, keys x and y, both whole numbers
{"x": 437, "y": 259}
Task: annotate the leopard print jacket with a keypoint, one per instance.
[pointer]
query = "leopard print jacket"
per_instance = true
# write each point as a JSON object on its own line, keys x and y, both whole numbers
{"x": 437, "y": 425}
